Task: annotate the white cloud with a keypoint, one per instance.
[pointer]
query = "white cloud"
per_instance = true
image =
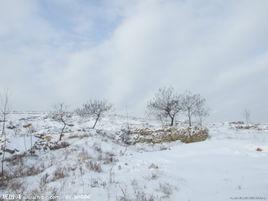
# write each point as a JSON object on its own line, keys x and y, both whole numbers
{"x": 133, "y": 47}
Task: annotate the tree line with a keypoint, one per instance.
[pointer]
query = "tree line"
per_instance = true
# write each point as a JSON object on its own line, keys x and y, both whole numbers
{"x": 168, "y": 104}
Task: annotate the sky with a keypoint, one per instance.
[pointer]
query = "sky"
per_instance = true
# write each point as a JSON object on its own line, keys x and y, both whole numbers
{"x": 124, "y": 50}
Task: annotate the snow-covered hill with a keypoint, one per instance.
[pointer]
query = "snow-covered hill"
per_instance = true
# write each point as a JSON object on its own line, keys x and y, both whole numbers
{"x": 94, "y": 165}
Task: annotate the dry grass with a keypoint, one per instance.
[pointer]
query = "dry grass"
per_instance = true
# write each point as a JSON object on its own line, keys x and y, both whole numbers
{"x": 83, "y": 156}
{"x": 94, "y": 166}
{"x": 96, "y": 183}
{"x": 107, "y": 157}
{"x": 185, "y": 135}
{"x": 16, "y": 186}
{"x": 59, "y": 174}
{"x": 44, "y": 179}
{"x": 22, "y": 170}
{"x": 35, "y": 194}
{"x": 139, "y": 195}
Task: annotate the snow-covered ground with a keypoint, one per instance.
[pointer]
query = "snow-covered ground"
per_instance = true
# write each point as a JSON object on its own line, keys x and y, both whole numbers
{"x": 95, "y": 166}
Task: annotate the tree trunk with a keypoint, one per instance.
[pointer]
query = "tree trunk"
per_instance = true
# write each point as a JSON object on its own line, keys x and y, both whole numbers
{"x": 4, "y": 153}
{"x": 172, "y": 121}
{"x": 189, "y": 118}
{"x": 3, "y": 159}
{"x": 4, "y": 113}
{"x": 62, "y": 130}
{"x": 97, "y": 119}
{"x": 4, "y": 123}
{"x": 5, "y": 143}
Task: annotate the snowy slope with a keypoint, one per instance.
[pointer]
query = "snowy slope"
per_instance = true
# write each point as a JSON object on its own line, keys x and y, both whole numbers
{"x": 97, "y": 167}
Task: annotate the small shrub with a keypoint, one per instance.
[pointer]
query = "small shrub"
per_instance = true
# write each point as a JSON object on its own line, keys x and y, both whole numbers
{"x": 58, "y": 145}
{"x": 59, "y": 174}
{"x": 44, "y": 180}
{"x": 125, "y": 136}
{"x": 258, "y": 149}
{"x": 142, "y": 196}
{"x": 139, "y": 196}
{"x": 96, "y": 183}
{"x": 84, "y": 155}
{"x": 94, "y": 166}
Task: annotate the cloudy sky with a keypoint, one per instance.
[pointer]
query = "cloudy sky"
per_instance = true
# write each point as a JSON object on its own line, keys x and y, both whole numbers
{"x": 124, "y": 50}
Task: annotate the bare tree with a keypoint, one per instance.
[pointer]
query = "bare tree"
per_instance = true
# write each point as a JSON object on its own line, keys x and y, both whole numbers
{"x": 201, "y": 112}
{"x": 193, "y": 105}
{"x": 95, "y": 109}
{"x": 246, "y": 115}
{"x": 62, "y": 115}
{"x": 4, "y": 113}
{"x": 165, "y": 104}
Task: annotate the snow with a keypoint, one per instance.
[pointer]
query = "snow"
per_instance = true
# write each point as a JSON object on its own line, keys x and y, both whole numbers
{"x": 224, "y": 167}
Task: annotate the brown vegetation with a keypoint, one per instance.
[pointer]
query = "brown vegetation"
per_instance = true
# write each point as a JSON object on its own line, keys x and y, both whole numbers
{"x": 185, "y": 135}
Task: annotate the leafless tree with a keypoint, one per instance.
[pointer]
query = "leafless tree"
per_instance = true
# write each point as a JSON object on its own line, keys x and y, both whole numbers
{"x": 95, "y": 109}
{"x": 4, "y": 113}
{"x": 62, "y": 115}
{"x": 193, "y": 105}
{"x": 246, "y": 115}
{"x": 201, "y": 112}
{"x": 165, "y": 104}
